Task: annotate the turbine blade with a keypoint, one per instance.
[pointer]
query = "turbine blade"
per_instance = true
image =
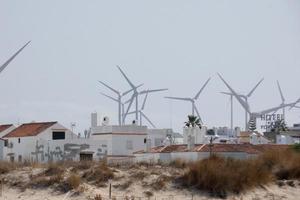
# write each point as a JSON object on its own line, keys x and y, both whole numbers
{"x": 148, "y": 119}
{"x": 112, "y": 89}
{"x": 11, "y": 58}
{"x": 201, "y": 90}
{"x": 179, "y": 98}
{"x": 294, "y": 104}
{"x": 109, "y": 97}
{"x": 240, "y": 100}
{"x": 280, "y": 91}
{"x": 273, "y": 109}
{"x": 226, "y": 93}
{"x": 127, "y": 92}
{"x": 145, "y": 100}
{"x": 151, "y": 91}
{"x": 127, "y": 79}
{"x": 251, "y": 92}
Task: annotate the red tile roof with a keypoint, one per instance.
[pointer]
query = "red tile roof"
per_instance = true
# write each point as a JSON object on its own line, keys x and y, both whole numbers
{"x": 4, "y": 127}
{"x": 218, "y": 148}
{"x": 31, "y": 129}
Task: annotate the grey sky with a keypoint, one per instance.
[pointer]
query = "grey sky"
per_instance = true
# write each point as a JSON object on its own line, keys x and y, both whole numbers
{"x": 171, "y": 43}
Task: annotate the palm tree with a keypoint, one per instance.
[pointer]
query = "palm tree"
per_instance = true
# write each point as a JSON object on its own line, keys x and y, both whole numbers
{"x": 279, "y": 126}
{"x": 193, "y": 121}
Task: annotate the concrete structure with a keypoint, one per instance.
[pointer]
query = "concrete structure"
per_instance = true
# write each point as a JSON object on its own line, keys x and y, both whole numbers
{"x": 170, "y": 153}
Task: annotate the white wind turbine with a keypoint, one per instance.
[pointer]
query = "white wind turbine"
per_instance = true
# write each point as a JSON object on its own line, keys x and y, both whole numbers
{"x": 2, "y": 67}
{"x": 142, "y": 114}
{"x": 245, "y": 97}
{"x": 120, "y": 95}
{"x": 135, "y": 96}
{"x": 254, "y": 115}
{"x": 192, "y": 100}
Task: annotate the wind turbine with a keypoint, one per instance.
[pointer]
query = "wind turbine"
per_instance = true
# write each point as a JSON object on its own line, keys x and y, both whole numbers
{"x": 192, "y": 100}
{"x": 118, "y": 99}
{"x": 245, "y": 97}
{"x": 142, "y": 114}
{"x": 2, "y": 67}
{"x": 135, "y": 96}
{"x": 253, "y": 115}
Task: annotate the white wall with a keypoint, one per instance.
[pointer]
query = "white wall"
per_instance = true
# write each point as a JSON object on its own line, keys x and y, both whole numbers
{"x": 119, "y": 144}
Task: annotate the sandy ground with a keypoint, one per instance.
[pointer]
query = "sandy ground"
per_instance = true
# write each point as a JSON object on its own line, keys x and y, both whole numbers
{"x": 138, "y": 188}
{"x": 272, "y": 192}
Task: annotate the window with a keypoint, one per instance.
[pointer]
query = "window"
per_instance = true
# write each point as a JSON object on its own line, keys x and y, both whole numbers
{"x": 19, "y": 140}
{"x": 19, "y": 158}
{"x": 6, "y": 143}
{"x": 86, "y": 156}
{"x": 129, "y": 145}
{"x": 58, "y": 135}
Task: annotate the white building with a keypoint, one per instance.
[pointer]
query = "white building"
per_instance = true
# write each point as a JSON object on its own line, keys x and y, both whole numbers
{"x": 49, "y": 141}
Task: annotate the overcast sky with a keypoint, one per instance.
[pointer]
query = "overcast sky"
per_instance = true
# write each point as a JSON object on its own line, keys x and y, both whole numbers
{"x": 172, "y": 43}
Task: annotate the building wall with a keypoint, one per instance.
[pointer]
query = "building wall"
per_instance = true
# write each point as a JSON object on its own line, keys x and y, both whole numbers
{"x": 186, "y": 156}
{"x": 127, "y": 144}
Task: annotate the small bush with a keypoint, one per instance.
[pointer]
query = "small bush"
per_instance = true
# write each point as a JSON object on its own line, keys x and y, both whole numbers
{"x": 148, "y": 194}
{"x": 139, "y": 175}
{"x": 99, "y": 174}
{"x": 73, "y": 181}
{"x": 160, "y": 182}
{"x": 98, "y": 197}
{"x": 54, "y": 169}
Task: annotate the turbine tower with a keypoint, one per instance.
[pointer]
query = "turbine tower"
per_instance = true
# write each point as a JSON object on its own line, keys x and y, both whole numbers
{"x": 135, "y": 96}
{"x": 142, "y": 114}
{"x": 282, "y": 99}
{"x": 192, "y": 100}
{"x": 120, "y": 95}
{"x": 245, "y": 105}
{"x": 245, "y": 97}
{"x": 2, "y": 67}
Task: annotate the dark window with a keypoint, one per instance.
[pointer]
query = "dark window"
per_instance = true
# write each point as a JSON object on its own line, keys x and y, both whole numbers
{"x": 86, "y": 157}
{"x": 20, "y": 158}
{"x": 58, "y": 135}
{"x": 6, "y": 143}
{"x": 19, "y": 140}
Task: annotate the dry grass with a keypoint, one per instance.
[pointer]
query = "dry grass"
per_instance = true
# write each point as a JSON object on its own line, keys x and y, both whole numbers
{"x": 160, "y": 183}
{"x": 220, "y": 176}
{"x": 98, "y": 197}
{"x": 99, "y": 174}
{"x": 6, "y": 167}
{"x": 73, "y": 181}
{"x": 54, "y": 169}
{"x": 178, "y": 163}
{"x": 284, "y": 165}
